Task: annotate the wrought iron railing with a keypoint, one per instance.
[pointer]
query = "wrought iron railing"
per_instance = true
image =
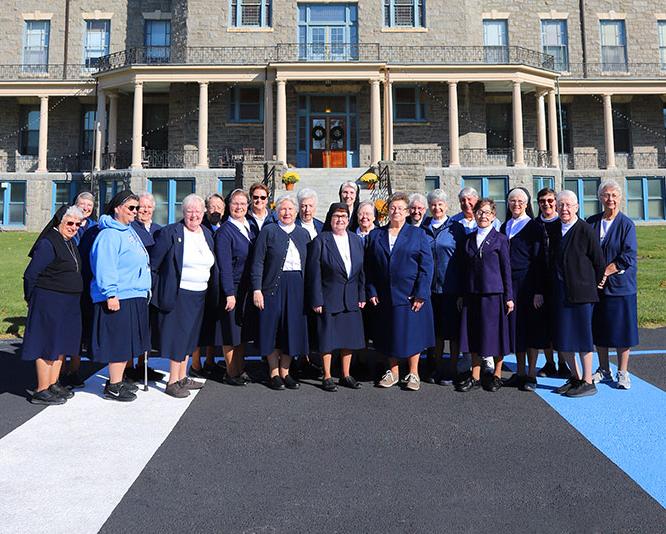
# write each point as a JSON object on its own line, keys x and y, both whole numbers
{"x": 428, "y": 156}
{"x": 536, "y": 158}
{"x": 615, "y": 70}
{"x": 52, "y": 71}
{"x": 381, "y": 193}
{"x": 269, "y": 180}
{"x": 329, "y": 52}
{"x": 28, "y": 163}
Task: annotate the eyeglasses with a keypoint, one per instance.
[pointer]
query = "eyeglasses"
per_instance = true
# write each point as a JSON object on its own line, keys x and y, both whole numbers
{"x": 340, "y": 216}
{"x": 396, "y": 208}
{"x": 483, "y": 213}
{"x": 517, "y": 202}
{"x": 72, "y": 223}
{"x": 257, "y": 197}
{"x": 132, "y": 207}
{"x": 546, "y": 201}
{"x": 238, "y": 204}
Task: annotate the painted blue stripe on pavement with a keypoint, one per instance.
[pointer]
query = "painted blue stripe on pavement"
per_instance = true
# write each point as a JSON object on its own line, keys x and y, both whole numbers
{"x": 627, "y": 426}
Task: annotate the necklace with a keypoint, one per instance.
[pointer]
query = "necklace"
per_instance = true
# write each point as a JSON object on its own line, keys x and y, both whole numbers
{"x": 71, "y": 251}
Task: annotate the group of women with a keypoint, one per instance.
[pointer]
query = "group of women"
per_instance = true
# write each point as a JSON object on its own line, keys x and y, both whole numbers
{"x": 298, "y": 287}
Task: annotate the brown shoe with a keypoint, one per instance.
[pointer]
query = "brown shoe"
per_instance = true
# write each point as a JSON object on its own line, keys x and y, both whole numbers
{"x": 188, "y": 383}
{"x": 176, "y": 390}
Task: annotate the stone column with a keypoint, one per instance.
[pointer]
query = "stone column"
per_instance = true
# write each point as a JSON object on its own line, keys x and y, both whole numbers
{"x": 541, "y": 122}
{"x": 388, "y": 121}
{"x": 113, "y": 129}
{"x": 43, "y": 133}
{"x": 268, "y": 120}
{"x": 100, "y": 128}
{"x": 518, "y": 156}
{"x": 281, "y": 149}
{"x": 454, "y": 144}
{"x": 608, "y": 132}
{"x": 375, "y": 123}
{"x": 552, "y": 131}
{"x": 203, "y": 126}
{"x": 137, "y": 125}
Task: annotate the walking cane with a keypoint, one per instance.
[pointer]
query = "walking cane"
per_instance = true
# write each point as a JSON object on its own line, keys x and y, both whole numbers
{"x": 145, "y": 371}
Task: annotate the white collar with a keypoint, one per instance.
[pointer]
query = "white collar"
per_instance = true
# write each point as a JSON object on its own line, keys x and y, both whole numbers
{"x": 289, "y": 228}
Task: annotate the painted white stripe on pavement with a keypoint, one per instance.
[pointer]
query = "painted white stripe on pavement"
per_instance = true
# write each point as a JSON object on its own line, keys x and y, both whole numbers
{"x": 67, "y": 468}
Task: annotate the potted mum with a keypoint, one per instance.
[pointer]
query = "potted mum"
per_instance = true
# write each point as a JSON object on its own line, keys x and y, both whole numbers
{"x": 289, "y": 178}
{"x": 370, "y": 179}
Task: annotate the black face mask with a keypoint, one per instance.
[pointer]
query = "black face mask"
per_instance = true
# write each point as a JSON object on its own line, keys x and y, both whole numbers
{"x": 214, "y": 218}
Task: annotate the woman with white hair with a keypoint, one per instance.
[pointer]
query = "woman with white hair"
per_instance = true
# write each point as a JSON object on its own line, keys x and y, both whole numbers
{"x": 85, "y": 201}
{"x": 307, "y": 207}
{"x": 52, "y": 287}
{"x": 417, "y": 210}
{"x": 615, "y": 318}
{"x": 576, "y": 267}
{"x": 184, "y": 272}
{"x": 277, "y": 280}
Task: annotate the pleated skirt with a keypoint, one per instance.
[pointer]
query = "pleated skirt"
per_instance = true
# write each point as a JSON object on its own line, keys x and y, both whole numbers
{"x": 343, "y": 330}
{"x": 484, "y": 326}
{"x": 121, "y": 335}
{"x": 519, "y": 318}
{"x": 615, "y": 321}
{"x": 572, "y": 323}
{"x": 53, "y": 327}
{"x": 401, "y": 332}
{"x": 179, "y": 329}
{"x": 446, "y": 316}
{"x": 282, "y": 324}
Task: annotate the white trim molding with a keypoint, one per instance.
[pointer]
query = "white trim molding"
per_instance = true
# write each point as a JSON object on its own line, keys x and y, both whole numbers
{"x": 97, "y": 15}
{"x": 554, "y": 15}
{"x": 37, "y": 15}
{"x": 156, "y": 15}
{"x": 660, "y": 16}
{"x": 495, "y": 15}
{"x": 612, "y": 15}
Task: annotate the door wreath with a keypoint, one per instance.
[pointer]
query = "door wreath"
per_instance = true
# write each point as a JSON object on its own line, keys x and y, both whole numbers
{"x": 318, "y": 133}
{"x": 337, "y": 133}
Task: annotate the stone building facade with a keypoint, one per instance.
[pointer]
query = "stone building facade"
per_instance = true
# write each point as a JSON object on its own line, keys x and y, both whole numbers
{"x": 178, "y": 96}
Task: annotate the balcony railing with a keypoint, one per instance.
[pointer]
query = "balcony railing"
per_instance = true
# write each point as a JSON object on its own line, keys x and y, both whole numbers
{"x": 28, "y": 163}
{"x": 51, "y": 71}
{"x": 615, "y": 70}
{"x": 326, "y": 52}
{"x": 218, "y": 158}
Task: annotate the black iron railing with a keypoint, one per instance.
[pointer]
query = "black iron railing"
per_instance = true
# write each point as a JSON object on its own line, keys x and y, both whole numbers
{"x": 269, "y": 180}
{"x": 51, "y": 71}
{"x": 615, "y": 70}
{"x": 28, "y": 163}
{"x": 382, "y": 192}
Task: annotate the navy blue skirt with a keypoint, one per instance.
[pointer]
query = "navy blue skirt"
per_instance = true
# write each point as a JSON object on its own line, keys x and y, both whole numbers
{"x": 210, "y": 334}
{"x": 179, "y": 329}
{"x": 342, "y": 330}
{"x": 615, "y": 321}
{"x": 283, "y": 321}
{"x": 539, "y": 329}
{"x": 484, "y": 326}
{"x": 401, "y": 332}
{"x": 446, "y": 316}
{"x": 53, "y": 326}
{"x": 519, "y": 318}
{"x": 572, "y": 323}
{"x": 233, "y": 323}
{"x": 121, "y": 335}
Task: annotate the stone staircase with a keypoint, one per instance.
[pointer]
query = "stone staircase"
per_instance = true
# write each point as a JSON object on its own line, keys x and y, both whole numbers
{"x": 326, "y": 182}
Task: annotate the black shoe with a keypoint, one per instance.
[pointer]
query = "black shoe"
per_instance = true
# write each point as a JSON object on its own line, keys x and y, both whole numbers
{"x": 276, "y": 383}
{"x": 130, "y": 386}
{"x": 328, "y": 385}
{"x": 245, "y": 377}
{"x": 215, "y": 372}
{"x": 118, "y": 392}
{"x": 569, "y": 384}
{"x": 494, "y": 384}
{"x": 234, "y": 381}
{"x": 514, "y": 381}
{"x": 290, "y": 383}
{"x": 564, "y": 371}
{"x": 73, "y": 381}
{"x": 177, "y": 390}
{"x": 583, "y": 389}
{"x": 349, "y": 382}
{"x": 47, "y": 398}
{"x": 549, "y": 370}
{"x": 188, "y": 383}
{"x": 529, "y": 384}
{"x": 58, "y": 389}
{"x": 202, "y": 372}
{"x": 468, "y": 385}
{"x": 153, "y": 376}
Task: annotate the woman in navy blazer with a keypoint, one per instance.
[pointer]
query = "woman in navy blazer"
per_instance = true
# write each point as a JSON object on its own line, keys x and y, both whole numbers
{"x": 184, "y": 272}
{"x": 615, "y": 317}
{"x": 399, "y": 270}
{"x": 233, "y": 245}
{"x": 336, "y": 290}
{"x": 525, "y": 249}
{"x": 277, "y": 280}
{"x": 488, "y": 297}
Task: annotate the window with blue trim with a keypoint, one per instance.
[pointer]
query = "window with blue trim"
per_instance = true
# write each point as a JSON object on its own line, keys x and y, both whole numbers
{"x": 408, "y": 104}
{"x": 431, "y": 183}
{"x": 29, "y": 138}
{"x": 169, "y": 194}
{"x": 96, "y": 42}
{"x": 12, "y": 203}
{"x": 225, "y": 185}
{"x": 246, "y": 104}
{"x": 613, "y": 46}
{"x": 36, "y": 45}
{"x": 328, "y": 32}
{"x": 404, "y": 13}
{"x": 555, "y": 41}
{"x": 496, "y": 40}
{"x": 157, "y": 40}
{"x": 88, "y": 129}
{"x": 539, "y": 183}
{"x": 586, "y": 191}
{"x": 645, "y": 198}
{"x": 250, "y": 13}
{"x": 494, "y": 187}
{"x": 108, "y": 189}
{"x": 64, "y": 193}
{"x": 661, "y": 29}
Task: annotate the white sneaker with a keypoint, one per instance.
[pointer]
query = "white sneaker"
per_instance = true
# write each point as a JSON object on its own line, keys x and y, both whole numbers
{"x": 601, "y": 375}
{"x": 413, "y": 383}
{"x": 388, "y": 380}
{"x": 623, "y": 380}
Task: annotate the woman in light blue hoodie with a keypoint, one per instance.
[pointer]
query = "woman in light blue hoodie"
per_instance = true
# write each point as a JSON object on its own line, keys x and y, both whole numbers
{"x": 119, "y": 291}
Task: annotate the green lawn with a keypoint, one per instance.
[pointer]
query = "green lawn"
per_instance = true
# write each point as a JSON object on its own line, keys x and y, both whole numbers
{"x": 651, "y": 278}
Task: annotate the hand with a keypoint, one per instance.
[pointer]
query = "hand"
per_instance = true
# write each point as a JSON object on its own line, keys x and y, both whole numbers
{"x": 361, "y": 305}
{"x": 417, "y": 303}
{"x": 603, "y": 282}
{"x": 611, "y": 268}
{"x": 258, "y": 299}
{"x": 318, "y": 309}
{"x": 509, "y": 306}
{"x": 537, "y": 301}
{"x": 459, "y": 303}
{"x": 113, "y": 304}
{"x": 374, "y": 301}
{"x": 231, "y": 303}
